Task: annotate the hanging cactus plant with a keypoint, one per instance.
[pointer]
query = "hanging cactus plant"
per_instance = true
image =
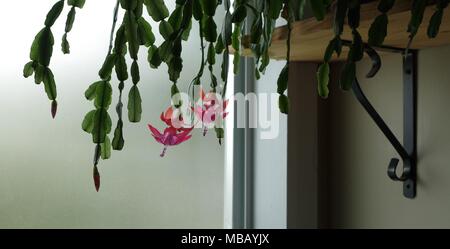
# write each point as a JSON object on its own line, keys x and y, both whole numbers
{"x": 135, "y": 33}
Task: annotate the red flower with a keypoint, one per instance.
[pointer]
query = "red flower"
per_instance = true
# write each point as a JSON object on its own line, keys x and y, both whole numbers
{"x": 170, "y": 137}
{"x": 174, "y": 119}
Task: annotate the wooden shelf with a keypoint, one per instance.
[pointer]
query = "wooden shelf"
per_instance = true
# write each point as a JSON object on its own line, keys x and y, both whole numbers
{"x": 310, "y": 37}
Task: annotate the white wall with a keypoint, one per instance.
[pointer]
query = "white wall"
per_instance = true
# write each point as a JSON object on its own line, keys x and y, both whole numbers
{"x": 270, "y": 163}
{"x": 46, "y": 165}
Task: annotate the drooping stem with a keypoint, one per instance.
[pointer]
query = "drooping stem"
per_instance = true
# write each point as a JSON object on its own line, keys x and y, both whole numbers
{"x": 118, "y": 141}
{"x": 226, "y": 55}
{"x": 197, "y": 80}
{"x": 120, "y": 104}
{"x": 288, "y": 56}
{"x": 111, "y": 41}
{"x": 113, "y": 28}
{"x": 290, "y": 21}
{"x": 202, "y": 45}
{"x": 163, "y": 153}
{"x": 97, "y": 152}
{"x": 225, "y": 85}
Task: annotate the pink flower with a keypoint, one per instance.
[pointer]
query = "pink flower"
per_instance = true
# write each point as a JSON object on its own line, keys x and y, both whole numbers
{"x": 210, "y": 109}
{"x": 170, "y": 137}
{"x": 171, "y": 120}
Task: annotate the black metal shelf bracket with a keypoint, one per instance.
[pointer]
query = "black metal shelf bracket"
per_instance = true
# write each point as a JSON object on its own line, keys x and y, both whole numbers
{"x": 407, "y": 150}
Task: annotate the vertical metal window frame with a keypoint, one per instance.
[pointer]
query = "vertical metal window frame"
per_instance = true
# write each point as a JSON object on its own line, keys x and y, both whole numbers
{"x": 239, "y": 174}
